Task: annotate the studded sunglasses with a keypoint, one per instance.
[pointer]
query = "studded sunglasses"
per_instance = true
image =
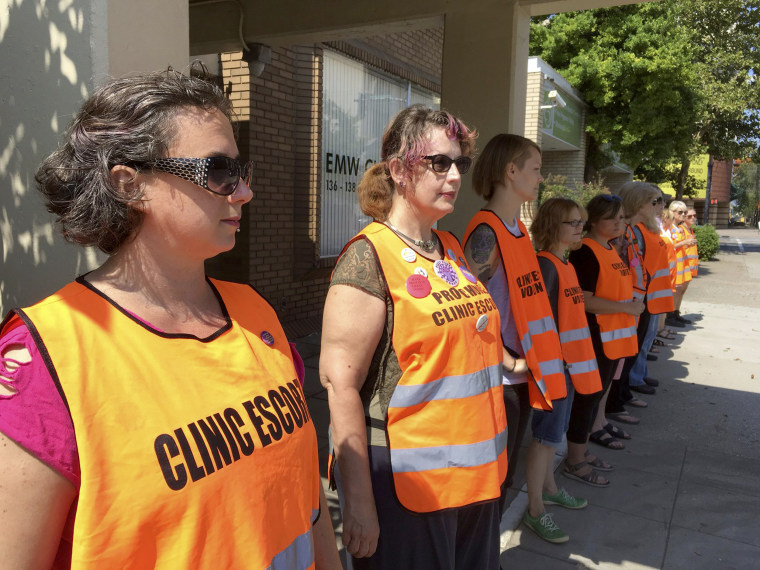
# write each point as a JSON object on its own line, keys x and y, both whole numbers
{"x": 218, "y": 174}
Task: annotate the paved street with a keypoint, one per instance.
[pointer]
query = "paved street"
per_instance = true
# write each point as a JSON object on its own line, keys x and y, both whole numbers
{"x": 685, "y": 491}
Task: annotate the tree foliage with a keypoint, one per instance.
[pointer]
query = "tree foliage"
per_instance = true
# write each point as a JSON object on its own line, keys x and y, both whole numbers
{"x": 664, "y": 81}
{"x": 747, "y": 180}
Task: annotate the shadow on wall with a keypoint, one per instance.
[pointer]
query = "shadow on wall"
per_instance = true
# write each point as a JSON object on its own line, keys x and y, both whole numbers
{"x": 46, "y": 62}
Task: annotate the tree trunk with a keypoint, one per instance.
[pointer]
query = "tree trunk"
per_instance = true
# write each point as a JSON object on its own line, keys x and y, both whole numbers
{"x": 681, "y": 180}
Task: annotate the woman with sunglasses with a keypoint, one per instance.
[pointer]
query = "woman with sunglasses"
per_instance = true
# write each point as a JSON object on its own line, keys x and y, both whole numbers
{"x": 410, "y": 359}
{"x": 499, "y": 251}
{"x": 681, "y": 239}
{"x": 647, "y": 256}
{"x": 152, "y": 416}
{"x": 611, "y": 310}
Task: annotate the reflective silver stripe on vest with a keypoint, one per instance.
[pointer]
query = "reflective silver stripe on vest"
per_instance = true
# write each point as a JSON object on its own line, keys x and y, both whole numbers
{"x": 660, "y": 294}
{"x": 575, "y": 334}
{"x": 539, "y": 326}
{"x": 582, "y": 367}
{"x": 299, "y": 554}
{"x": 447, "y": 388}
{"x": 664, "y": 272}
{"x": 556, "y": 366}
{"x": 314, "y": 515}
{"x": 637, "y": 296}
{"x": 618, "y": 334}
{"x": 416, "y": 459}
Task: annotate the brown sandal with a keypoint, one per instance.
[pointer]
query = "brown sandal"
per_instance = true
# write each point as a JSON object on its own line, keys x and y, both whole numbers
{"x": 590, "y": 478}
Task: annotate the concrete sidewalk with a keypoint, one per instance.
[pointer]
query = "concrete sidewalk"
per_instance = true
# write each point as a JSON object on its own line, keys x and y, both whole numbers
{"x": 685, "y": 491}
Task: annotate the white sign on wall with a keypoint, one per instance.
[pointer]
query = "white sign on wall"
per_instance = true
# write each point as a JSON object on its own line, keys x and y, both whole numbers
{"x": 357, "y": 105}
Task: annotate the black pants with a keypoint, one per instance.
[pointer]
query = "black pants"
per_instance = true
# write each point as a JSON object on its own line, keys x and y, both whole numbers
{"x": 463, "y": 538}
{"x": 517, "y": 406}
{"x": 620, "y": 390}
{"x": 585, "y": 405}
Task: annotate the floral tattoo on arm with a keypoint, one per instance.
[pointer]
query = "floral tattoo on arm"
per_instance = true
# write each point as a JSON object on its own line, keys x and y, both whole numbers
{"x": 482, "y": 243}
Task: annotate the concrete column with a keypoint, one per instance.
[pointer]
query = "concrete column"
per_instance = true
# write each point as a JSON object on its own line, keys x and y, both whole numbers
{"x": 52, "y": 54}
{"x": 484, "y": 79}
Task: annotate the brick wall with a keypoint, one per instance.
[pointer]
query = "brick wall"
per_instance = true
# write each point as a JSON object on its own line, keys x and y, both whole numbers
{"x": 570, "y": 164}
{"x": 533, "y": 118}
{"x": 279, "y": 129}
{"x": 721, "y": 181}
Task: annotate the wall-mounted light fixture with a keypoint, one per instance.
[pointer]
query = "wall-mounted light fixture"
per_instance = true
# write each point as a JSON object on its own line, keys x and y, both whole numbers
{"x": 257, "y": 56}
{"x": 555, "y": 100}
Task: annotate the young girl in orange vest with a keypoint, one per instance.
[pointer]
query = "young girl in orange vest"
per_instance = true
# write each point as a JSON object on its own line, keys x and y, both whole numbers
{"x": 556, "y": 229}
{"x": 610, "y": 309}
{"x": 499, "y": 251}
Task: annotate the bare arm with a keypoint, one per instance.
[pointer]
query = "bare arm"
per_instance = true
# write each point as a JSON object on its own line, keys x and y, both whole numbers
{"x": 481, "y": 254}
{"x": 34, "y": 502}
{"x": 483, "y": 259}
{"x": 325, "y": 550}
{"x": 601, "y": 306}
{"x": 352, "y": 325}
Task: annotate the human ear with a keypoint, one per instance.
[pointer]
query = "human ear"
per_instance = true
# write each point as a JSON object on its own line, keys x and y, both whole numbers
{"x": 124, "y": 179}
{"x": 398, "y": 172}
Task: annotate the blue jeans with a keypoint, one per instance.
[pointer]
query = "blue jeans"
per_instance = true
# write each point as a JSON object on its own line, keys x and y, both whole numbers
{"x": 639, "y": 371}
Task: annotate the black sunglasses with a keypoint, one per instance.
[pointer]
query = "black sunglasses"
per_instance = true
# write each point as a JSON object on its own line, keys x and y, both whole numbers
{"x": 442, "y": 163}
{"x": 218, "y": 174}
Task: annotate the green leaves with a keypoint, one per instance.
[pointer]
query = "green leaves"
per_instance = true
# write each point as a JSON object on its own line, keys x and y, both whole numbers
{"x": 663, "y": 80}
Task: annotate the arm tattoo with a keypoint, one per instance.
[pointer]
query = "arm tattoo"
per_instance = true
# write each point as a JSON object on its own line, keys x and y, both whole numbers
{"x": 483, "y": 242}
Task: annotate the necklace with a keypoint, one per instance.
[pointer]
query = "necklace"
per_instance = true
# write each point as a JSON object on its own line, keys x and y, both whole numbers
{"x": 428, "y": 246}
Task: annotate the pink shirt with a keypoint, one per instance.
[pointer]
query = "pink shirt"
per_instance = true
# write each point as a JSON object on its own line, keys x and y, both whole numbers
{"x": 33, "y": 414}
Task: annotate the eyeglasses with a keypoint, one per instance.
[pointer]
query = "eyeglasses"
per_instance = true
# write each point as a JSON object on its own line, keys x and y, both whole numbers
{"x": 610, "y": 197}
{"x": 574, "y": 223}
{"x": 657, "y": 201}
{"x": 218, "y": 174}
{"x": 442, "y": 163}
{"x": 692, "y": 216}
{"x": 682, "y": 212}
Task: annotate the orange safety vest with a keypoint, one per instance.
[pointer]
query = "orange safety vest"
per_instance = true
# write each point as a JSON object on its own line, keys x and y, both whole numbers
{"x": 446, "y": 424}
{"x": 574, "y": 336}
{"x": 659, "y": 289}
{"x": 530, "y": 308}
{"x": 618, "y": 330}
{"x": 692, "y": 253}
{"x": 683, "y": 273}
{"x": 193, "y": 453}
{"x": 636, "y": 264}
{"x": 672, "y": 265}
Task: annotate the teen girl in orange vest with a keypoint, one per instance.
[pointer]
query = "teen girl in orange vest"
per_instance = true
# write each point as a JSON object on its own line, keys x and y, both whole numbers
{"x": 499, "y": 250}
{"x": 611, "y": 310}
{"x": 557, "y": 227}
{"x": 411, "y": 361}
{"x": 168, "y": 428}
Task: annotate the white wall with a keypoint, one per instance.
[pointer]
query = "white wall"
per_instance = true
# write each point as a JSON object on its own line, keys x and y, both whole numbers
{"x": 51, "y": 56}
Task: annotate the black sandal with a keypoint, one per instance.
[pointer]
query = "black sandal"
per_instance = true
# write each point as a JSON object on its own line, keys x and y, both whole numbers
{"x": 615, "y": 431}
{"x": 603, "y": 438}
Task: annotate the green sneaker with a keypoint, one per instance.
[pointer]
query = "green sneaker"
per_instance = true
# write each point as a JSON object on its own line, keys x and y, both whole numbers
{"x": 564, "y": 499}
{"x": 545, "y": 527}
